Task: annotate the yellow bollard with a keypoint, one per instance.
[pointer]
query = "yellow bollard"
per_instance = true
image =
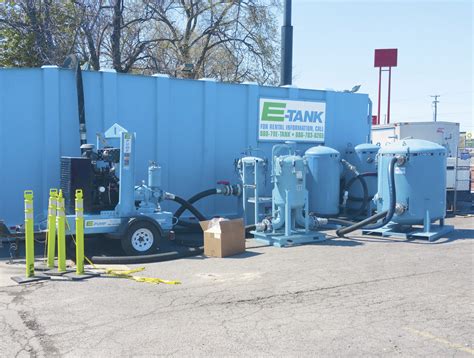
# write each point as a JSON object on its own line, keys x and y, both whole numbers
{"x": 61, "y": 228}
{"x": 80, "y": 274}
{"x": 52, "y": 207}
{"x": 29, "y": 243}
{"x": 29, "y": 234}
{"x": 79, "y": 233}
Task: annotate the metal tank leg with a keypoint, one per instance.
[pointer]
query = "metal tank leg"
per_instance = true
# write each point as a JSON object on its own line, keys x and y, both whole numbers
{"x": 306, "y": 211}
{"x": 427, "y": 222}
{"x": 244, "y": 197}
{"x": 257, "y": 205}
{"x": 287, "y": 214}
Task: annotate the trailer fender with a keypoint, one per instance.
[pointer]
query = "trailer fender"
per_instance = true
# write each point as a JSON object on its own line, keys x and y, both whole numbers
{"x": 122, "y": 229}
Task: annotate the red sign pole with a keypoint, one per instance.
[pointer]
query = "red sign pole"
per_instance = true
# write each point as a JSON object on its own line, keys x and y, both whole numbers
{"x": 380, "y": 90}
{"x": 389, "y": 85}
{"x": 385, "y": 58}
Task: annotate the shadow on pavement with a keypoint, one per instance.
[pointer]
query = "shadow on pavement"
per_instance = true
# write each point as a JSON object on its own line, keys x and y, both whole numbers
{"x": 337, "y": 241}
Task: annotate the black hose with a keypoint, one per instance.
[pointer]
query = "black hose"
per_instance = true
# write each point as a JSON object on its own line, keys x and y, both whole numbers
{"x": 249, "y": 228}
{"x": 356, "y": 198}
{"x": 364, "y": 175}
{"x": 365, "y": 188}
{"x": 386, "y": 215}
{"x": 176, "y": 249}
{"x": 188, "y": 224}
{"x": 165, "y": 256}
{"x": 193, "y": 199}
{"x": 340, "y": 222}
{"x": 368, "y": 174}
{"x": 360, "y": 224}
{"x": 188, "y": 206}
{"x": 73, "y": 63}
{"x": 80, "y": 104}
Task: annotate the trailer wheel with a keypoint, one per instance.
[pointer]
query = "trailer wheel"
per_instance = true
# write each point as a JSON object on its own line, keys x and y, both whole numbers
{"x": 141, "y": 238}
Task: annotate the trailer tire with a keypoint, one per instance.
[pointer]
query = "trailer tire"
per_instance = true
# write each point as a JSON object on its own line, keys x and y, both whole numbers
{"x": 141, "y": 238}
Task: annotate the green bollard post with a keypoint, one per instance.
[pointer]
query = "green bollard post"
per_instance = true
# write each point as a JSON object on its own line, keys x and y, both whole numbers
{"x": 79, "y": 233}
{"x": 52, "y": 207}
{"x": 80, "y": 274}
{"x": 29, "y": 234}
{"x": 61, "y": 229}
{"x": 30, "y": 275}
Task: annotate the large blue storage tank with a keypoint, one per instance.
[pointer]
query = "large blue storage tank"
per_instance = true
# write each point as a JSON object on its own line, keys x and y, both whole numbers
{"x": 363, "y": 157}
{"x": 420, "y": 181}
{"x": 194, "y": 129}
{"x": 324, "y": 170}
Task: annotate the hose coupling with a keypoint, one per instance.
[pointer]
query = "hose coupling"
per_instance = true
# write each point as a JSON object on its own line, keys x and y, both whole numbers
{"x": 265, "y": 225}
{"x": 401, "y": 159}
{"x": 320, "y": 221}
{"x": 236, "y": 189}
{"x": 316, "y": 221}
{"x": 350, "y": 167}
{"x": 376, "y": 198}
{"x": 345, "y": 197}
{"x": 168, "y": 196}
{"x": 400, "y": 209}
{"x": 228, "y": 189}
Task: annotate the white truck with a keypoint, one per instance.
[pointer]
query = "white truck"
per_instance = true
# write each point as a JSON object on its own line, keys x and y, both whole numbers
{"x": 443, "y": 133}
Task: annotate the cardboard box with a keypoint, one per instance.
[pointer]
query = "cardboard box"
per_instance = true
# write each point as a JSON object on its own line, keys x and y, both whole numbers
{"x": 223, "y": 238}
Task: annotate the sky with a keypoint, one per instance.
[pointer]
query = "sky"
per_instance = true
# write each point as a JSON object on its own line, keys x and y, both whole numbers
{"x": 334, "y": 44}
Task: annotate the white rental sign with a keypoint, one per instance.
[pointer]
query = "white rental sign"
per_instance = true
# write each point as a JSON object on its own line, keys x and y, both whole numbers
{"x": 299, "y": 121}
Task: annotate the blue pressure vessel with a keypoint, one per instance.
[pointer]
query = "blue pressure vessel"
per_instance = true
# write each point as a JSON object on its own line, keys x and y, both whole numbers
{"x": 324, "y": 171}
{"x": 289, "y": 175}
{"x": 420, "y": 180}
{"x": 154, "y": 176}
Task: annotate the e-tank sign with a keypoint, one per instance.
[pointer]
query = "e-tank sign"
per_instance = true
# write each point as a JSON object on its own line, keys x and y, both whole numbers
{"x": 299, "y": 121}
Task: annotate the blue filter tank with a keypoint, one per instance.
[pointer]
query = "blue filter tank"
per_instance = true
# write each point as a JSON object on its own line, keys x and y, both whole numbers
{"x": 324, "y": 171}
{"x": 420, "y": 180}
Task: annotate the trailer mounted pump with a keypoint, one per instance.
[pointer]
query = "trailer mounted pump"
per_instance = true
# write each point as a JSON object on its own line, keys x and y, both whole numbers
{"x": 114, "y": 205}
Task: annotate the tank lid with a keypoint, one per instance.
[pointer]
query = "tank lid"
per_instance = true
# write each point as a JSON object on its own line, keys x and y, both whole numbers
{"x": 251, "y": 159}
{"x": 366, "y": 146}
{"x": 414, "y": 146}
{"x": 320, "y": 150}
{"x": 290, "y": 157}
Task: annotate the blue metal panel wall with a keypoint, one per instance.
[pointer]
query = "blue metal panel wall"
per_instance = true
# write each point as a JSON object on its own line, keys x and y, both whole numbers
{"x": 194, "y": 129}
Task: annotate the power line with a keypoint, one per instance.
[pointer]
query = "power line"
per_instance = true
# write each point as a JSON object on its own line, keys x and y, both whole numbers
{"x": 420, "y": 97}
{"x": 457, "y": 92}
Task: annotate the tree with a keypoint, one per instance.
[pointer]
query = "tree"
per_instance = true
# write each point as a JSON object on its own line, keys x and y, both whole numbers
{"x": 15, "y": 47}
{"x": 113, "y": 32}
{"x": 93, "y": 25}
{"x": 36, "y": 32}
{"x": 231, "y": 40}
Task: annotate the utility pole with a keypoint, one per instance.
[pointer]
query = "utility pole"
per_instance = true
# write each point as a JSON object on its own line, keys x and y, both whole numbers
{"x": 435, "y": 105}
{"x": 286, "y": 47}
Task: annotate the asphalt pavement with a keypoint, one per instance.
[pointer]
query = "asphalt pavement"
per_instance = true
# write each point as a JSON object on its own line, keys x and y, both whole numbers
{"x": 362, "y": 296}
